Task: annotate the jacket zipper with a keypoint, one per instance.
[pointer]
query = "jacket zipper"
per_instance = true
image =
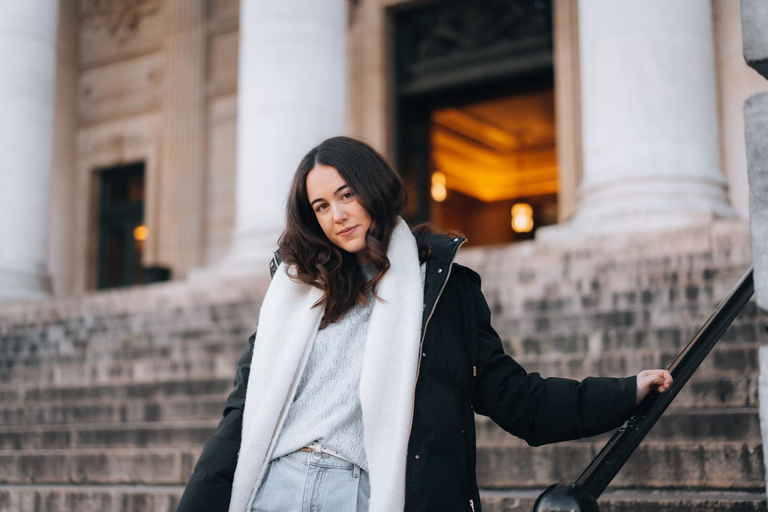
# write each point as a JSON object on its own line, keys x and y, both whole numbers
{"x": 421, "y": 349}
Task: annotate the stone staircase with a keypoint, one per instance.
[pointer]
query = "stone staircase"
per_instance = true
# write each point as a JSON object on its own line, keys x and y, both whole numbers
{"x": 106, "y": 400}
{"x": 617, "y": 318}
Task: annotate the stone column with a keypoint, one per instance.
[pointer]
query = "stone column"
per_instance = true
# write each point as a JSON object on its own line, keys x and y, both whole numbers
{"x": 291, "y": 96}
{"x": 61, "y": 217}
{"x": 754, "y": 18}
{"x": 28, "y": 56}
{"x": 649, "y": 116}
{"x": 177, "y": 238}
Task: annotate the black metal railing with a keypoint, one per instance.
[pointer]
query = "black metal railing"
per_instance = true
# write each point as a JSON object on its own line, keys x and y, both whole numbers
{"x": 581, "y": 496}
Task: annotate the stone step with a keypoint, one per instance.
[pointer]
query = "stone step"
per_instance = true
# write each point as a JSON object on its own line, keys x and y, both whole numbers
{"x": 704, "y": 425}
{"x": 712, "y": 391}
{"x": 562, "y": 356}
{"x": 676, "y": 425}
{"x": 118, "y": 389}
{"x": 122, "y": 347}
{"x": 89, "y": 498}
{"x": 709, "y": 464}
{"x": 141, "y": 357}
{"x": 154, "y": 466}
{"x": 125, "y": 498}
{"x": 723, "y": 359}
{"x": 569, "y": 334}
{"x": 201, "y": 407}
{"x": 62, "y": 380}
{"x": 638, "y": 500}
{"x": 191, "y": 434}
{"x": 54, "y": 372}
{"x": 161, "y": 402}
{"x": 714, "y": 465}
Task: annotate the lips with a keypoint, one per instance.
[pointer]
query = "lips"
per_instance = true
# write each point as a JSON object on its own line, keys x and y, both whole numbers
{"x": 347, "y": 231}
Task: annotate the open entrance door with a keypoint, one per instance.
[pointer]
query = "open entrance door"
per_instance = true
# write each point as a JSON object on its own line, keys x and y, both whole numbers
{"x": 475, "y": 121}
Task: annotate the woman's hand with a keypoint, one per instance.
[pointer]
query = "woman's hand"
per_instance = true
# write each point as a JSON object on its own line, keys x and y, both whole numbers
{"x": 652, "y": 380}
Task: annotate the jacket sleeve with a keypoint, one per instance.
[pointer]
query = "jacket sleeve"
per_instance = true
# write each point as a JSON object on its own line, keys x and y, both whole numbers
{"x": 536, "y": 409}
{"x": 210, "y": 486}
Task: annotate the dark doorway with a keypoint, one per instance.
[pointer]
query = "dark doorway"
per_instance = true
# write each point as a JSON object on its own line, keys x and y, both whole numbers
{"x": 475, "y": 128}
{"x": 121, "y": 226}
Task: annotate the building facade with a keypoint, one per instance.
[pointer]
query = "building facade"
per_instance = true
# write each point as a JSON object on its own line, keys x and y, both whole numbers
{"x": 579, "y": 110}
{"x": 592, "y": 151}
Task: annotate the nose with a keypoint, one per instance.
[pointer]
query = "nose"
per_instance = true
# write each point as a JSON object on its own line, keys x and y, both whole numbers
{"x": 339, "y": 213}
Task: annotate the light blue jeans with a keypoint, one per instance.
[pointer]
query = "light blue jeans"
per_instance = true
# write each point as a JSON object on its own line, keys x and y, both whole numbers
{"x": 312, "y": 482}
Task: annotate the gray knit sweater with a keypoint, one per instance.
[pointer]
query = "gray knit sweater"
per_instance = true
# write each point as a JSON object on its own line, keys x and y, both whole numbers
{"x": 326, "y": 406}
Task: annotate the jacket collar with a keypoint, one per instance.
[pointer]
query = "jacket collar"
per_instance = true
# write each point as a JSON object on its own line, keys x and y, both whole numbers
{"x": 443, "y": 252}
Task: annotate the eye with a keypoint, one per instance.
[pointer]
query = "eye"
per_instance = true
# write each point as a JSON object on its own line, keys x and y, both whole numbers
{"x": 345, "y": 194}
{"x": 321, "y": 207}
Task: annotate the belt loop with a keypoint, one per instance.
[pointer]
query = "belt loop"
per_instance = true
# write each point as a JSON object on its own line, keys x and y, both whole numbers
{"x": 356, "y": 472}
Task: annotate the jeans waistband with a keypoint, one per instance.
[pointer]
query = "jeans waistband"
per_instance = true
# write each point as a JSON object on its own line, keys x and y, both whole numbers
{"x": 316, "y": 458}
{"x": 315, "y": 446}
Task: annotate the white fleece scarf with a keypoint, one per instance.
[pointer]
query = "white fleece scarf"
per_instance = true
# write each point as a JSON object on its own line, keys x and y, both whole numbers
{"x": 286, "y": 329}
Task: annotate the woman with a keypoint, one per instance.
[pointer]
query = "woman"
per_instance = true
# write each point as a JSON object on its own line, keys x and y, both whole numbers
{"x": 373, "y": 352}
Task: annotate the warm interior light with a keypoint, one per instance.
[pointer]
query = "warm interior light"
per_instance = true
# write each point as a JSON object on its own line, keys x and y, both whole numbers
{"x": 522, "y": 218}
{"x": 140, "y": 233}
{"x": 439, "y": 191}
{"x": 500, "y": 149}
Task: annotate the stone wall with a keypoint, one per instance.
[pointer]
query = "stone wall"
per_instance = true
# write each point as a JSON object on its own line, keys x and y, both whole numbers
{"x": 123, "y": 73}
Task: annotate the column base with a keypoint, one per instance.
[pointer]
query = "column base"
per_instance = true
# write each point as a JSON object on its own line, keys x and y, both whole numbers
{"x": 578, "y": 229}
{"x": 644, "y": 205}
{"x": 250, "y": 255}
{"x": 658, "y": 222}
{"x": 18, "y": 284}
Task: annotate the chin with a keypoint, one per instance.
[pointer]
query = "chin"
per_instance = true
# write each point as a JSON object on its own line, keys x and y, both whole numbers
{"x": 354, "y": 249}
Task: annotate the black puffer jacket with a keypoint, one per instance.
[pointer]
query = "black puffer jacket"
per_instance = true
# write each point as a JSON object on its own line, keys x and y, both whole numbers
{"x": 458, "y": 341}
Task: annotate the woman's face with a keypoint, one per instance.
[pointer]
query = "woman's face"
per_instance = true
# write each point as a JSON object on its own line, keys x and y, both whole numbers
{"x": 341, "y": 216}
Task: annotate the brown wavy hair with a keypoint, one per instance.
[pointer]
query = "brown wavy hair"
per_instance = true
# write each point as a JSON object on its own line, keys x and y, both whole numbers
{"x": 317, "y": 261}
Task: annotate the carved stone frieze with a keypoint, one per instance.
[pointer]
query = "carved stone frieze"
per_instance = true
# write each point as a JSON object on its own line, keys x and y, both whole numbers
{"x": 458, "y": 26}
{"x": 118, "y": 142}
{"x": 352, "y": 6}
{"x": 124, "y": 89}
{"x": 119, "y": 18}
{"x": 452, "y": 42}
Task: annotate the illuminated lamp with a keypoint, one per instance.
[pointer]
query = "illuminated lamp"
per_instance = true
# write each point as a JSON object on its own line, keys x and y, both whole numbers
{"x": 140, "y": 233}
{"x": 522, "y": 218}
{"x": 439, "y": 192}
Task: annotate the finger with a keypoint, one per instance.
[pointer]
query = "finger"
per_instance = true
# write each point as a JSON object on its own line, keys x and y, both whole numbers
{"x": 665, "y": 379}
{"x": 664, "y": 376}
{"x": 667, "y": 384}
{"x": 657, "y": 383}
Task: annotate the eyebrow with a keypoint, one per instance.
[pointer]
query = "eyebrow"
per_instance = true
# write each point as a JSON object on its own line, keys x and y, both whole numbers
{"x": 337, "y": 191}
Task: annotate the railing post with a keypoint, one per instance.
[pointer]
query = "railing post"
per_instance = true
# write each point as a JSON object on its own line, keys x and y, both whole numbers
{"x": 565, "y": 497}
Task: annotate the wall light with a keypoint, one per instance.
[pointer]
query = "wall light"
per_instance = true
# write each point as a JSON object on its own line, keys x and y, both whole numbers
{"x": 522, "y": 218}
{"x": 140, "y": 233}
{"x": 439, "y": 192}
